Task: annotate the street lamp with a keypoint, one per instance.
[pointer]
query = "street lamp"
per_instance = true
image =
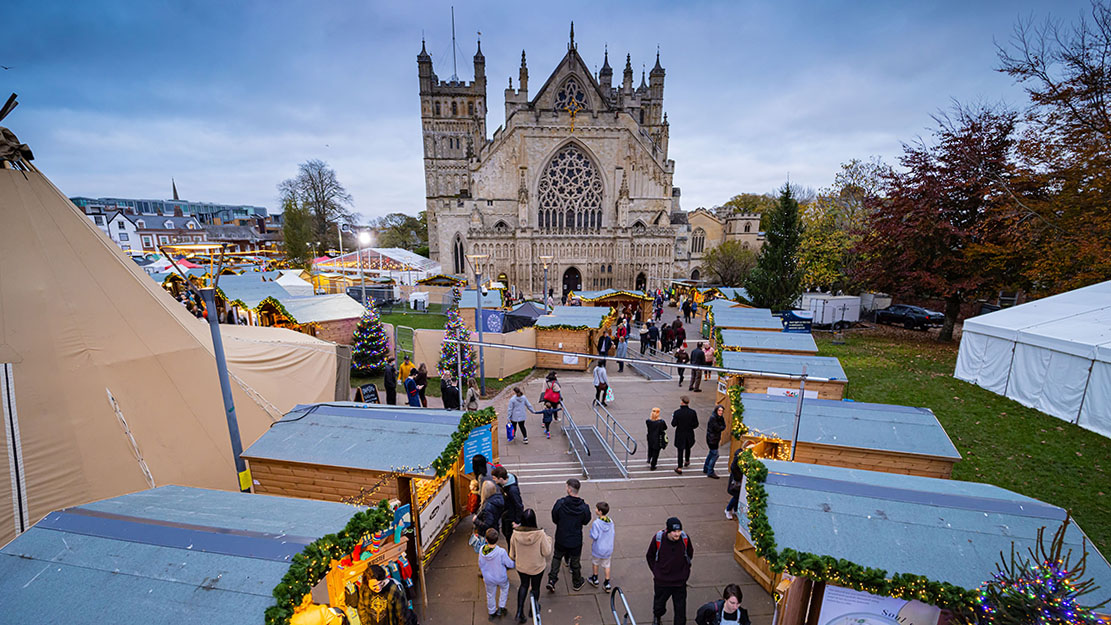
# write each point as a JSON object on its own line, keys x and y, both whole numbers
{"x": 546, "y": 261}
{"x": 364, "y": 238}
{"x": 475, "y": 259}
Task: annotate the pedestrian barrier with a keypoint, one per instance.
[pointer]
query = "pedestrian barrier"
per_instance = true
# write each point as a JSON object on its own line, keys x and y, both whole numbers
{"x": 575, "y": 441}
{"x": 627, "y": 619}
{"x": 403, "y": 341}
{"x": 650, "y": 372}
{"x": 612, "y": 434}
{"x": 599, "y": 462}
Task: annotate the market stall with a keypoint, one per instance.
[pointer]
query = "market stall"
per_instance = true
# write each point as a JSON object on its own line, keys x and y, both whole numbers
{"x": 768, "y": 371}
{"x": 361, "y": 454}
{"x": 850, "y": 546}
{"x": 854, "y": 435}
{"x": 573, "y": 329}
{"x": 626, "y": 303}
{"x": 491, "y": 304}
{"x": 766, "y": 342}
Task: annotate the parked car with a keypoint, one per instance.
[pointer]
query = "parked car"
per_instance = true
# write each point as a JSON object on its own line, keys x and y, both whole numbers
{"x": 910, "y": 317}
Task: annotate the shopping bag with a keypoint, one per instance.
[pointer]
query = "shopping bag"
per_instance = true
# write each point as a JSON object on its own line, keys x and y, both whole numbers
{"x": 476, "y": 542}
{"x": 509, "y": 431}
{"x": 609, "y": 394}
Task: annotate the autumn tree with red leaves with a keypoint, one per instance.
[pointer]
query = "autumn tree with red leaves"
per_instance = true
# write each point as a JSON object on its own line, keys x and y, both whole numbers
{"x": 937, "y": 228}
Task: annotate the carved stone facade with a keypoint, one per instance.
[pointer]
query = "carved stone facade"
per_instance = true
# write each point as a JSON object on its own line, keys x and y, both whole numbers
{"x": 579, "y": 172}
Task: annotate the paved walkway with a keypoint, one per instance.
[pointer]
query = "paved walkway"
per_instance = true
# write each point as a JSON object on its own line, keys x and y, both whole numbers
{"x": 639, "y": 507}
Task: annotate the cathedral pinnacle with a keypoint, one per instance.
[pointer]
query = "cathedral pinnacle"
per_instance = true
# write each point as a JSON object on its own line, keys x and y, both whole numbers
{"x": 606, "y": 58}
{"x": 571, "y": 46}
{"x": 423, "y": 52}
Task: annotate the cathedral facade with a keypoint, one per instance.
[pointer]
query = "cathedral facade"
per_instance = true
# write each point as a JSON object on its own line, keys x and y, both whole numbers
{"x": 579, "y": 173}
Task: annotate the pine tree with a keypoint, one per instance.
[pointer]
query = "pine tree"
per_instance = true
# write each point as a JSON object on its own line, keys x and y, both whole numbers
{"x": 368, "y": 354}
{"x": 449, "y": 352}
{"x": 776, "y": 282}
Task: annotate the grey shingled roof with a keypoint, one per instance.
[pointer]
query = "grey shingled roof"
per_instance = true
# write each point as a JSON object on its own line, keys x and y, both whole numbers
{"x": 588, "y": 316}
{"x": 759, "y": 339}
{"x": 788, "y": 364}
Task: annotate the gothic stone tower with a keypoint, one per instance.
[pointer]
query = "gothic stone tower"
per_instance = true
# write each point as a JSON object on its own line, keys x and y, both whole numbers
{"x": 579, "y": 172}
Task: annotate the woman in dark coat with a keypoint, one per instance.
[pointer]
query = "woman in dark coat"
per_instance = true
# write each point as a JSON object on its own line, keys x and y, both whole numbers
{"x": 656, "y": 432}
{"x": 422, "y": 382}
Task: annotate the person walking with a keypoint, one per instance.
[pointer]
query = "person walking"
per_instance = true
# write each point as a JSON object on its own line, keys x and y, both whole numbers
{"x": 389, "y": 381}
{"x": 472, "y": 394}
{"x": 517, "y": 412}
{"x": 422, "y": 384}
{"x": 669, "y": 558}
{"x": 511, "y": 492}
{"x": 724, "y": 611}
{"x": 530, "y": 549}
{"x": 736, "y": 475}
{"x": 601, "y": 382}
{"x": 653, "y": 335}
{"x": 686, "y": 310}
{"x": 714, "y": 427}
{"x": 657, "y": 437}
{"x": 680, "y": 333}
{"x": 412, "y": 391}
{"x": 698, "y": 358}
{"x": 644, "y": 337}
{"x": 570, "y": 514}
{"x": 494, "y": 563}
{"x": 622, "y": 351}
{"x": 601, "y": 547}
{"x": 605, "y": 344}
{"x": 667, "y": 336}
{"x": 681, "y": 357}
{"x": 685, "y": 422}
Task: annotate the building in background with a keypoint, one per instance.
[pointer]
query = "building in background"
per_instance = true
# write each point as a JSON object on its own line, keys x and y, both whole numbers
{"x": 712, "y": 227}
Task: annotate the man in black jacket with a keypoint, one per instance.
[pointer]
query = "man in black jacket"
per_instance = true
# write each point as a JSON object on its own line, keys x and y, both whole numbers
{"x": 714, "y": 427}
{"x": 605, "y": 344}
{"x": 389, "y": 381}
{"x": 669, "y": 558}
{"x": 514, "y": 506}
{"x": 570, "y": 514}
{"x": 698, "y": 357}
{"x": 685, "y": 422}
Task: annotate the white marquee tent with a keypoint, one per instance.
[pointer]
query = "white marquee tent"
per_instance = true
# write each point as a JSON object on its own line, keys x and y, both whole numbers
{"x": 1052, "y": 354}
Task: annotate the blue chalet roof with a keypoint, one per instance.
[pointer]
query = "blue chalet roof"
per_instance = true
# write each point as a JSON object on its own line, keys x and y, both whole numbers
{"x": 251, "y": 289}
{"x": 359, "y": 436}
{"x": 733, "y": 292}
{"x": 588, "y": 316}
{"x": 759, "y": 339}
{"x": 168, "y": 555}
{"x": 789, "y": 364}
{"x": 760, "y": 318}
{"x": 900, "y": 429}
{"x": 589, "y": 296}
{"x": 945, "y": 530}
{"x": 321, "y": 308}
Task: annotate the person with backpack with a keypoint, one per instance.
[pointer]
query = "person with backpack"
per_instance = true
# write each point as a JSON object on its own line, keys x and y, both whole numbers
{"x": 570, "y": 515}
{"x": 724, "y": 611}
{"x": 412, "y": 391}
{"x": 514, "y": 506}
{"x": 669, "y": 558}
{"x": 552, "y": 392}
{"x": 714, "y": 427}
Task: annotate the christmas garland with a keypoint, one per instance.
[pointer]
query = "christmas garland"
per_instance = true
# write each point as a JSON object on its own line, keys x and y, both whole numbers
{"x": 739, "y": 429}
{"x": 615, "y": 293}
{"x": 718, "y": 347}
{"x": 276, "y": 304}
{"x": 605, "y": 321}
{"x": 312, "y": 564}
{"x": 470, "y": 421}
{"x": 839, "y": 572}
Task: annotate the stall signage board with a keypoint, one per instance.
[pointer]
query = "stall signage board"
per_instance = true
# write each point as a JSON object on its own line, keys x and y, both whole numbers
{"x": 369, "y": 394}
{"x": 797, "y": 324}
{"x": 843, "y": 606}
{"x": 480, "y": 441}
{"x": 570, "y": 360}
{"x": 779, "y": 391}
{"x": 435, "y": 515}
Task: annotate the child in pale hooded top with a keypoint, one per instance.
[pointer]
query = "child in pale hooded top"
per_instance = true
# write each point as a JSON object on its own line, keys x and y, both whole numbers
{"x": 494, "y": 563}
{"x": 602, "y": 533}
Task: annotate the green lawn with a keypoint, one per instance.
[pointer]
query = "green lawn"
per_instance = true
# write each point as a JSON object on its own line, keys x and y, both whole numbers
{"x": 417, "y": 321}
{"x": 1001, "y": 441}
{"x": 493, "y": 385}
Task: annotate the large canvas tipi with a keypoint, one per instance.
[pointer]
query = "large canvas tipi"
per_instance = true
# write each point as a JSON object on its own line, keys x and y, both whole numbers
{"x": 108, "y": 385}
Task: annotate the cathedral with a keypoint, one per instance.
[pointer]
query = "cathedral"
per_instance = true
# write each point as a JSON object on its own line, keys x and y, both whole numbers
{"x": 579, "y": 173}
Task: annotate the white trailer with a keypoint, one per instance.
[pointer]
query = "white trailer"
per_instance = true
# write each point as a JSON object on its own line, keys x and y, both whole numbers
{"x": 831, "y": 310}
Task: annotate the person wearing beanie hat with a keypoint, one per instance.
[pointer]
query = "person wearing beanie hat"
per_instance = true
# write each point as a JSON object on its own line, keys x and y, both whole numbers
{"x": 669, "y": 558}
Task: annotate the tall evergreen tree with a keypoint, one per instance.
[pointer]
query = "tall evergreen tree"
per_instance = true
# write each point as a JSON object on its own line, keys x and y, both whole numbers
{"x": 776, "y": 282}
{"x": 368, "y": 354}
{"x": 456, "y": 329}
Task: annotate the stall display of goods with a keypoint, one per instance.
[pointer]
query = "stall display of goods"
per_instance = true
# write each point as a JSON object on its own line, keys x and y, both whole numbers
{"x": 427, "y": 488}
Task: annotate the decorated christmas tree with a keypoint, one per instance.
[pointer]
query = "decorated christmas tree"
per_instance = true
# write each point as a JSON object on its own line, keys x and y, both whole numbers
{"x": 449, "y": 352}
{"x": 368, "y": 353}
{"x": 1042, "y": 588}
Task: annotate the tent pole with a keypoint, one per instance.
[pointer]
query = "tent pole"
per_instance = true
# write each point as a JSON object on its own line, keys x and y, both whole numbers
{"x": 241, "y": 471}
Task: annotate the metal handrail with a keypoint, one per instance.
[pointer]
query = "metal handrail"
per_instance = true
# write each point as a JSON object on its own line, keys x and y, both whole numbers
{"x": 611, "y": 434}
{"x": 568, "y": 420}
{"x": 535, "y": 609}
{"x": 623, "y": 620}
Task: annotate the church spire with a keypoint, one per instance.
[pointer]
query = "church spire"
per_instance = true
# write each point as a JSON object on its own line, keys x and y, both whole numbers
{"x": 522, "y": 76}
{"x": 606, "y": 59}
{"x": 571, "y": 46}
{"x": 173, "y": 184}
{"x": 627, "y": 79}
{"x": 605, "y": 75}
{"x": 658, "y": 69}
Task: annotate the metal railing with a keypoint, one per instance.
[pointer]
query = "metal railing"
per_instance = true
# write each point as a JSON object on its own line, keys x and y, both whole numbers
{"x": 627, "y": 619}
{"x": 571, "y": 431}
{"x": 535, "y": 609}
{"x": 613, "y": 435}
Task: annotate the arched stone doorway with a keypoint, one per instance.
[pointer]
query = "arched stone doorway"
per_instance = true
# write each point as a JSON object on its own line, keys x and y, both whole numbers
{"x": 696, "y": 275}
{"x": 642, "y": 281}
{"x": 572, "y": 280}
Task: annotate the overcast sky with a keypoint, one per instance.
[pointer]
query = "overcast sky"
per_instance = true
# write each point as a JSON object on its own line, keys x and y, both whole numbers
{"x": 228, "y": 97}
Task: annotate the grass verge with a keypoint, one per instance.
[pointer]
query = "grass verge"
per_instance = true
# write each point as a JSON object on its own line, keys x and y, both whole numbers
{"x": 1001, "y": 441}
{"x": 493, "y": 385}
{"x": 417, "y": 321}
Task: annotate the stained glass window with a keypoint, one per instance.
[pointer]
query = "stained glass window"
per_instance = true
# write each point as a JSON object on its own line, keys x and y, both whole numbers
{"x": 572, "y": 188}
{"x": 570, "y": 97}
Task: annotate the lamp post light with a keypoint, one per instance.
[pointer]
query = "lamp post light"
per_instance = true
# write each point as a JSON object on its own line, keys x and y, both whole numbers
{"x": 546, "y": 261}
{"x": 364, "y": 238}
{"x": 475, "y": 259}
